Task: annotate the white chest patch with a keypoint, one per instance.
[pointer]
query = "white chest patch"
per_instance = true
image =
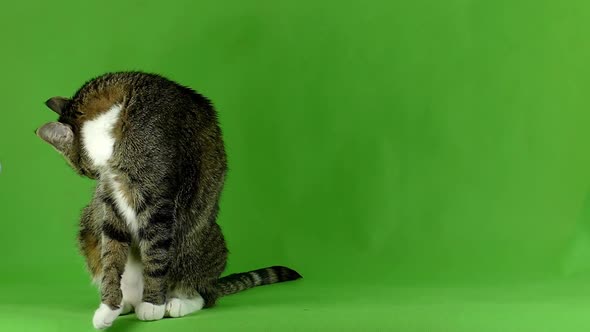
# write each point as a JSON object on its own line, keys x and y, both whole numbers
{"x": 98, "y": 141}
{"x": 97, "y": 136}
{"x": 125, "y": 209}
{"x": 132, "y": 281}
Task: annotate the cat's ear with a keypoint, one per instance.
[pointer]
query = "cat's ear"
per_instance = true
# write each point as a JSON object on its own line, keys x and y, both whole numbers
{"x": 57, "y": 134}
{"x": 57, "y": 104}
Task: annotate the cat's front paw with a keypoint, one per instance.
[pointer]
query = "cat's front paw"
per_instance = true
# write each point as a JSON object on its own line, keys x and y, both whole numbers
{"x": 150, "y": 311}
{"x": 104, "y": 316}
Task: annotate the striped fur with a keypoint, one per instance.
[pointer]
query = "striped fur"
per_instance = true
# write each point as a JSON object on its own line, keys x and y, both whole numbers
{"x": 157, "y": 153}
{"x": 238, "y": 282}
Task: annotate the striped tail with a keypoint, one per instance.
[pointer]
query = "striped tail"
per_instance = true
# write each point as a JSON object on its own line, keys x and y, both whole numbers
{"x": 238, "y": 282}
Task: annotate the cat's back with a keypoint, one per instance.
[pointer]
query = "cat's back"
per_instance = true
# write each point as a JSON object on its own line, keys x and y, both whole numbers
{"x": 146, "y": 103}
{"x": 156, "y": 95}
{"x": 152, "y": 120}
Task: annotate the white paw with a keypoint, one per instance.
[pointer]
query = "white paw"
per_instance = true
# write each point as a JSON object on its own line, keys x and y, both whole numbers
{"x": 104, "y": 316}
{"x": 182, "y": 307}
{"x": 149, "y": 311}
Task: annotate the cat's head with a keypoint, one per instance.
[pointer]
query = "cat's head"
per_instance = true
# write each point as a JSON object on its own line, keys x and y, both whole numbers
{"x": 64, "y": 136}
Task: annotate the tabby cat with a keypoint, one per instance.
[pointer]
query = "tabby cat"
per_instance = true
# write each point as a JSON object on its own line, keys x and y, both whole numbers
{"x": 149, "y": 234}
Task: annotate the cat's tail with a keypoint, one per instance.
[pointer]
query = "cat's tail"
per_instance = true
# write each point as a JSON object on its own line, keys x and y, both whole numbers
{"x": 238, "y": 282}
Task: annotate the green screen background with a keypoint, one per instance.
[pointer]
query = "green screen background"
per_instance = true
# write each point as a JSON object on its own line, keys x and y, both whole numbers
{"x": 424, "y": 164}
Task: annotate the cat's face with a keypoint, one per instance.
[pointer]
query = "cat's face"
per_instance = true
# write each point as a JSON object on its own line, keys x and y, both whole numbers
{"x": 64, "y": 134}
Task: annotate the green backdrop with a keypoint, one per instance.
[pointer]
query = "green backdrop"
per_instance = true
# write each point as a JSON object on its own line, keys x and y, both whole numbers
{"x": 424, "y": 164}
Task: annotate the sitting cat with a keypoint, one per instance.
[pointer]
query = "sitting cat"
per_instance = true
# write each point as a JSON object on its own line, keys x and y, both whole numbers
{"x": 149, "y": 234}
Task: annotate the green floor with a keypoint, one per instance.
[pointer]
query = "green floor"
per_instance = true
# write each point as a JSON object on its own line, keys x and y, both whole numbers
{"x": 311, "y": 306}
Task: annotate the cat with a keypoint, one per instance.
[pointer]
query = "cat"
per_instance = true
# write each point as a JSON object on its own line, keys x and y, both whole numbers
{"x": 149, "y": 235}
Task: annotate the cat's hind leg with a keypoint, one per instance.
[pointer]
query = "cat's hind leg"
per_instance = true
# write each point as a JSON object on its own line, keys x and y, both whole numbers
{"x": 179, "y": 305}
